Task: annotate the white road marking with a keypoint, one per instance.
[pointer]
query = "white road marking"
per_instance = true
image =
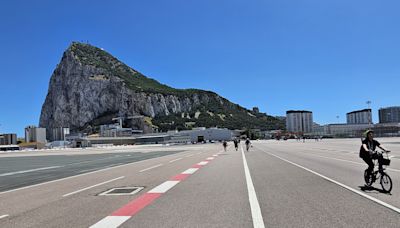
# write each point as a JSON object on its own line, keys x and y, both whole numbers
{"x": 96, "y": 185}
{"x": 153, "y": 167}
{"x": 190, "y": 171}
{"x": 188, "y": 156}
{"x": 111, "y": 221}
{"x": 164, "y": 187}
{"x": 175, "y": 160}
{"x": 79, "y": 175}
{"x": 258, "y": 221}
{"x": 203, "y": 163}
{"x": 29, "y": 171}
{"x": 210, "y": 158}
{"x": 340, "y": 184}
{"x": 3, "y": 216}
{"x": 344, "y": 160}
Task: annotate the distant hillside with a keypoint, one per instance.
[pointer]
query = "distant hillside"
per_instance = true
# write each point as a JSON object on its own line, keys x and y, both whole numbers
{"x": 89, "y": 87}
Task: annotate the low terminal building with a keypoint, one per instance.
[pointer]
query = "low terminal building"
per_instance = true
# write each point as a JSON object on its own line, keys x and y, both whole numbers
{"x": 8, "y": 139}
{"x": 182, "y": 137}
{"x": 9, "y": 147}
{"x": 208, "y": 134}
{"x": 346, "y": 130}
{"x": 357, "y": 130}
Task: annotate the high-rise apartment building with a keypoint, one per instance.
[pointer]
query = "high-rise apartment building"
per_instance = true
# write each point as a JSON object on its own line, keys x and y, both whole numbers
{"x": 359, "y": 117}
{"x": 299, "y": 121}
{"x": 389, "y": 115}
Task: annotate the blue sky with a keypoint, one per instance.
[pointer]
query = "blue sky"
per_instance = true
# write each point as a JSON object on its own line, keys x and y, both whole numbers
{"x": 328, "y": 57}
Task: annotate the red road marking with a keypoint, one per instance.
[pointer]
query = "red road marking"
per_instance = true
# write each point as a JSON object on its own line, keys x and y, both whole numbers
{"x": 130, "y": 209}
{"x": 136, "y": 205}
{"x": 180, "y": 177}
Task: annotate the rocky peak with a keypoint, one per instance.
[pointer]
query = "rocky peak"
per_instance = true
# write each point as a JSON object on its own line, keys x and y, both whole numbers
{"x": 89, "y": 87}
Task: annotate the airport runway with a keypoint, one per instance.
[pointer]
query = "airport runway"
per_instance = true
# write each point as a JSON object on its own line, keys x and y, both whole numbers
{"x": 275, "y": 184}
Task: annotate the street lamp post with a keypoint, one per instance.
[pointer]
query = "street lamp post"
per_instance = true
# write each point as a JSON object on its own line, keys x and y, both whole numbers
{"x": 369, "y": 116}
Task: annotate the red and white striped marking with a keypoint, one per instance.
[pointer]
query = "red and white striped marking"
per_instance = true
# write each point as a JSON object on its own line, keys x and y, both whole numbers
{"x": 126, "y": 212}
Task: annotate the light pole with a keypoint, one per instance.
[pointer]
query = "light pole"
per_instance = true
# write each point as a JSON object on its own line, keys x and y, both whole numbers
{"x": 370, "y": 115}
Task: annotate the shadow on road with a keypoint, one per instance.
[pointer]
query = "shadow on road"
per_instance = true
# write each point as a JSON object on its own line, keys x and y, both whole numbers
{"x": 371, "y": 188}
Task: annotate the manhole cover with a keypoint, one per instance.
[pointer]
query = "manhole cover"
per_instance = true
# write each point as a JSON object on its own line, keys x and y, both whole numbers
{"x": 121, "y": 191}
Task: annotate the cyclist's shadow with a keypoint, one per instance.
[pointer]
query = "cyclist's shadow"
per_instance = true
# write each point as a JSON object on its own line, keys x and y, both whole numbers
{"x": 371, "y": 188}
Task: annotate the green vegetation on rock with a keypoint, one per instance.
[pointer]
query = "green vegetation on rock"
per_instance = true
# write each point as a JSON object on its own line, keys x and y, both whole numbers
{"x": 226, "y": 114}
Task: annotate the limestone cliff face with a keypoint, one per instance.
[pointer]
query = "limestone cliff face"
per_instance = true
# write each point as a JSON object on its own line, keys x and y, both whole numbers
{"x": 89, "y": 87}
{"x": 82, "y": 94}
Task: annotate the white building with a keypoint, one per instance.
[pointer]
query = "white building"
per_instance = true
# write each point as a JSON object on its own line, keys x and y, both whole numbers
{"x": 35, "y": 134}
{"x": 59, "y": 133}
{"x": 299, "y": 121}
{"x": 347, "y": 130}
{"x": 8, "y": 139}
{"x": 203, "y": 134}
{"x": 114, "y": 130}
{"x": 359, "y": 117}
{"x": 389, "y": 115}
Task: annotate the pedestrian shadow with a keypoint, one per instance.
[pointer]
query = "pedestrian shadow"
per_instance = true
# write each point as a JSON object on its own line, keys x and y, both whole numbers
{"x": 373, "y": 189}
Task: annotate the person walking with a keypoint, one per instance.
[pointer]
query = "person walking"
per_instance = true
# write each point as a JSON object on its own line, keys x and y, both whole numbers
{"x": 225, "y": 145}
{"x": 248, "y": 144}
{"x": 236, "y": 142}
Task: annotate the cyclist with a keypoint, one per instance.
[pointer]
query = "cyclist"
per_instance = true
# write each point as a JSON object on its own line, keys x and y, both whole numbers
{"x": 236, "y": 142}
{"x": 224, "y": 144}
{"x": 248, "y": 143}
{"x": 367, "y": 151}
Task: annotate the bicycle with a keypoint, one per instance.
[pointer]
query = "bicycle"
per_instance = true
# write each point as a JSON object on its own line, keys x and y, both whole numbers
{"x": 385, "y": 180}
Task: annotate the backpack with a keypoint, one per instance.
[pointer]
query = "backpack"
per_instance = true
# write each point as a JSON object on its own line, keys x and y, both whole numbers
{"x": 363, "y": 153}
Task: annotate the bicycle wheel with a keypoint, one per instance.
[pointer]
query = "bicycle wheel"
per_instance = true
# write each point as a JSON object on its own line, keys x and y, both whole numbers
{"x": 367, "y": 178}
{"x": 386, "y": 182}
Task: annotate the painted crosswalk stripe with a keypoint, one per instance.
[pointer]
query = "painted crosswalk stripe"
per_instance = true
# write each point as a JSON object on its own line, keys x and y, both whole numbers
{"x": 203, "y": 163}
{"x": 126, "y": 212}
{"x": 111, "y": 221}
{"x": 164, "y": 187}
{"x": 190, "y": 171}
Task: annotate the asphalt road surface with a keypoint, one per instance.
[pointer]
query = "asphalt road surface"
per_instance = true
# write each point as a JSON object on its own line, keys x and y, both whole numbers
{"x": 275, "y": 184}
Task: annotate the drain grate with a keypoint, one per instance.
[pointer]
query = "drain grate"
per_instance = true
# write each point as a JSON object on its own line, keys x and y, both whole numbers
{"x": 121, "y": 191}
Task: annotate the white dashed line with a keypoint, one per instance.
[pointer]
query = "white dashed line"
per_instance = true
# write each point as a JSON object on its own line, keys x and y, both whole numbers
{"x": 79, "y": 175}
{"x": 164, "y": 187}
{"x": 203, "y": 163}
{"x": 29, "y": 171}
{"x": 111, "y": 221}
{"x": 175, "y": 160}
{"x": 153, "y": 167}
{"x": 84, "y": 189}
{"x": 190, "y": 171}
{"x": 3, "y": 216}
